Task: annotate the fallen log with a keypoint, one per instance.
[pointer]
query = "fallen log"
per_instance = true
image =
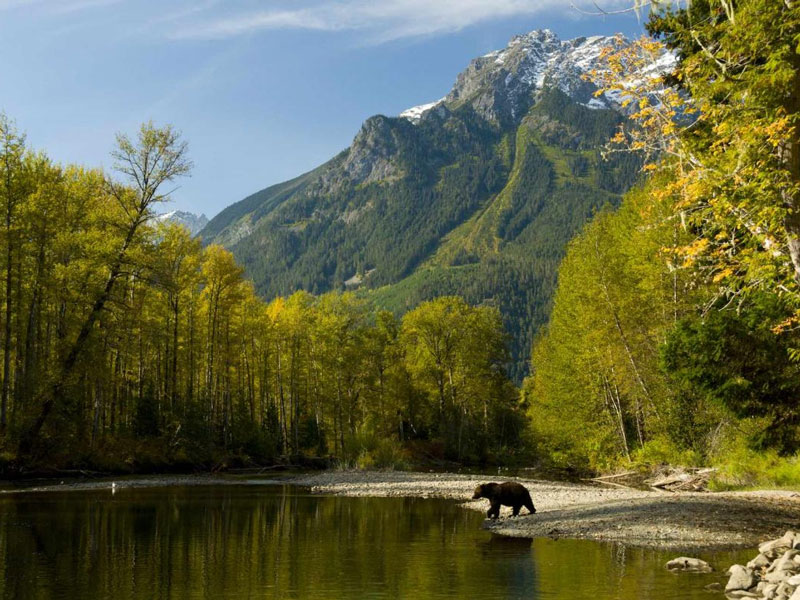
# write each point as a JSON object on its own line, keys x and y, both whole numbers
{"x": 614, "y": 476}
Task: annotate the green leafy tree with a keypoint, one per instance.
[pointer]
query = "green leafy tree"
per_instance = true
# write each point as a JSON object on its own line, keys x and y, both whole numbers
{"x": 12, "y": 180}
{"x": 597, "y": 391}
{"x": 455, "y": 353}
{"x": 158, "y": 157}
{"x": 735, "y": 361}
{"x": 736, "y": 183}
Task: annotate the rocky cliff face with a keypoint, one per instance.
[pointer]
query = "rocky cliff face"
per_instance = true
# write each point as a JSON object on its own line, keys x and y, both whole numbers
{"x": 372, "y": 156}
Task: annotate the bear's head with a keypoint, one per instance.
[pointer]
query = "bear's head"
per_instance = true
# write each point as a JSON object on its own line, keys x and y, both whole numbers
{"x": 478, "y": 493}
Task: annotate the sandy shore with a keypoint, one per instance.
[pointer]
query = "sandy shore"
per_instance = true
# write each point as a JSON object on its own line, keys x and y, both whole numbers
{"x": 637, "y": 517}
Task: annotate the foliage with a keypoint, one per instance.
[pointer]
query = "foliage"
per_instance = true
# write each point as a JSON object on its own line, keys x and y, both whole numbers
{"x": 672, "y": 335}
{"x": 634, "y": 365}
{"x": 132, "y": 345}
{"x": 596, "y": 390}
{"x": 744, "y": 467}
{"x": 735, "y": 360}
{"x": 737, "y": 168}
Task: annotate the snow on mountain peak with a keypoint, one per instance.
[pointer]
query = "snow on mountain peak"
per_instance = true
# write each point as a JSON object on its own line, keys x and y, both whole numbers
{"x": 499, "y": 84}
{"x": 415, "y": 113}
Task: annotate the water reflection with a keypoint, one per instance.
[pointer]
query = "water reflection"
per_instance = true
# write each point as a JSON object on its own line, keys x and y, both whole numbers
{"x": 274, "y": 542}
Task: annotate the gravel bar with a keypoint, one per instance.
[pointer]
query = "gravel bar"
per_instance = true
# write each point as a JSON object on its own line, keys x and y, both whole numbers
{"x": 568, "y": 510}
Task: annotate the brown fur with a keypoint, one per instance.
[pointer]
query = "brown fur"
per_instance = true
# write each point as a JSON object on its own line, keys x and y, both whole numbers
{"x": 510, "y": 493}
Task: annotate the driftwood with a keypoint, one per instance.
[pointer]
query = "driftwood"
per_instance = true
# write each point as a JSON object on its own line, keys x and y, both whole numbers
{"x": 605, "y": 480}
{"x": 284, "y": 463}
{"x": 68, "y": 472}
{"x": 614, "y": 476}
{"x": 688, "y": 480}
{"x": 258, "y": 470}
{"x": 611, "y": 483}
{"x": 670, "y": 481}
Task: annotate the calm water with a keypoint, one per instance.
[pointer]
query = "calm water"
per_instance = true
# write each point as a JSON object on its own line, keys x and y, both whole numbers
{"x": 281, "y": 542}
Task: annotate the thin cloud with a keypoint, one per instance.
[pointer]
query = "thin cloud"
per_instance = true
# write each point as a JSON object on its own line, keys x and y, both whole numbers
{"x": 14, "y": 4}
{"x": 381, "y": 21}
{"x": 56, "y": 7}
{"x": 63, "y": 8}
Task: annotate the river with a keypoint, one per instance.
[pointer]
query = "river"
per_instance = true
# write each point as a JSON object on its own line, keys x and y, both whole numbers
{"x": 275, "y": 541}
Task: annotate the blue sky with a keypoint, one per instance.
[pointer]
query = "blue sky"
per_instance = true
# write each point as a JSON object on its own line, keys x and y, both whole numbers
{"x": 263, "y": 90}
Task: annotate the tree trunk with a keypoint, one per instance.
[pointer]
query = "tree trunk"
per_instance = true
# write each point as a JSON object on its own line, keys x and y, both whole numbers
{"x": 174, "y": 374}
{"x": 791, "y": 156}
{"x": 282, "y": 401}
{"x": 8, "y": 308}
{"x": 53, "y": 393}
{"x": 614, "y": 405}
{"x": 624, "y": 339}
{"x": 190, "y": 391}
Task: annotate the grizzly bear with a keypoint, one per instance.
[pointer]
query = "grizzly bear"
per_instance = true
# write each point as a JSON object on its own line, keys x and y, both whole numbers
{"x": 509, "y": 493}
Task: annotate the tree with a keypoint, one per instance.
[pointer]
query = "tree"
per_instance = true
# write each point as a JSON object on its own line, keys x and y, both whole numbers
{"x": 728, "y": 115}
{"x": 597, "y": 392}
{"x": 157, "y": 157}
{"x": 735, "y": 361}
{"x": 455, "y": 354}
{"x": 176, "y": 269}
{"x": 432, "y": 335}
{"x": 222, "y": 292}
{"x": 12, "y": 150}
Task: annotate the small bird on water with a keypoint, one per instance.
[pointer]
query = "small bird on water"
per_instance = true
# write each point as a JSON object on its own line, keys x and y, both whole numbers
{"x": 113, "y": 487}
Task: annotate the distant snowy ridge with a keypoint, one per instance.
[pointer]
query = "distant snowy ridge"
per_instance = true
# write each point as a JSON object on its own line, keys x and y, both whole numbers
{"x": 191, "y": 221}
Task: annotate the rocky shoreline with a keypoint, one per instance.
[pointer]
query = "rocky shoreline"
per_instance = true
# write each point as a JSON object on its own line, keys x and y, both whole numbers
{"x": 774, "y": 574}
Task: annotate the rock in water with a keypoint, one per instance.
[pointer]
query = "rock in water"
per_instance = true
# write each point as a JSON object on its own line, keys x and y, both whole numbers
{"x": 741, "y": 578}
{"x": 689, "y": 565}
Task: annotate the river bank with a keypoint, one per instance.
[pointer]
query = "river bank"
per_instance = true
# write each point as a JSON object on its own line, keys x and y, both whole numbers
{"x": 570, "y": 510}
{"x": 564, "y": 510}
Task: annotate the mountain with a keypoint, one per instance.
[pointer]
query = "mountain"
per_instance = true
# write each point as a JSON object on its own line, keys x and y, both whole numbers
{"x": 191, "y": 221}
{"x": 476, "y": 194}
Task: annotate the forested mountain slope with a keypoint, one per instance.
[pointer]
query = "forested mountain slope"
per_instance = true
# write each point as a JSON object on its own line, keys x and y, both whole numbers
{"x": 475, "y": 195}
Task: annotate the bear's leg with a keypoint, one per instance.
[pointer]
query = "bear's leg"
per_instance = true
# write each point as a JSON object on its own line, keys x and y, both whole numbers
{"x": 516, "y": 508}
{"x": 494, "y": 510}
{"x": 529, "y": 505}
